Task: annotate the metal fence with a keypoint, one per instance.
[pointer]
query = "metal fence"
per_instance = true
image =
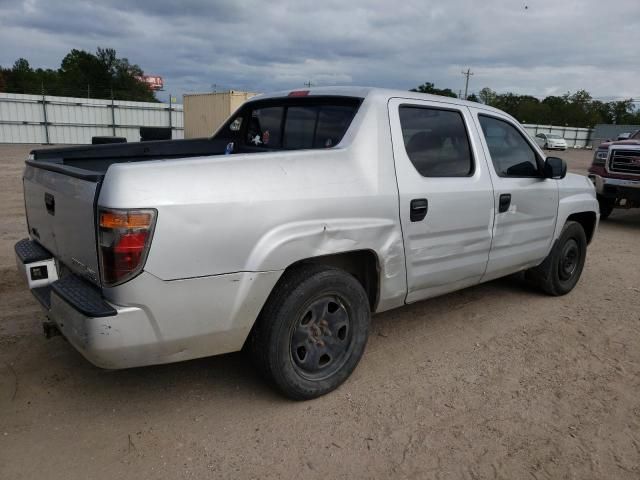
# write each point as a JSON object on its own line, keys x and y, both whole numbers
{"x": 47, "y": 119}
{"x": 604, "y": 132}
{"x": 575, "y": 137}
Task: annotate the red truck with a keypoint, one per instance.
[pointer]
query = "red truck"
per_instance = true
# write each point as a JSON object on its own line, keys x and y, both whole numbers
{"x": 615, "y": 172}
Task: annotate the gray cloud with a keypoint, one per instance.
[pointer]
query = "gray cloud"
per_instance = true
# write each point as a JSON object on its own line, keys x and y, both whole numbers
{"x": 549, "y": 48}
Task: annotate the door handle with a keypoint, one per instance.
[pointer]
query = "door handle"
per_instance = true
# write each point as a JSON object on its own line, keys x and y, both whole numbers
{"x": 418, "y": 209}
{"x": 504, "y": 203}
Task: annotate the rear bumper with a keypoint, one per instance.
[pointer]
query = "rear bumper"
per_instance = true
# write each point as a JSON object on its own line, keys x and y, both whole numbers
{"x": 149, "y": 321}
{"x": 122, "y": 340}
{"x": 109, "y": 336}
{"x": 615, "y": 187}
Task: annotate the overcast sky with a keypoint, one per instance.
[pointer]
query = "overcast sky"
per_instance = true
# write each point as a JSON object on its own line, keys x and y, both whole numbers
{"x": 538, "y": 47}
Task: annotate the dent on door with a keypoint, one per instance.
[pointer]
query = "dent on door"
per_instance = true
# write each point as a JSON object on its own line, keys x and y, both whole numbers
{"x": 446, "y": 221}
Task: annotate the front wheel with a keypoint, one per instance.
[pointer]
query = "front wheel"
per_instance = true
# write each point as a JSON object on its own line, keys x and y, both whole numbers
{"x": 312, "y": 332}
{"x": 561, "y": 270}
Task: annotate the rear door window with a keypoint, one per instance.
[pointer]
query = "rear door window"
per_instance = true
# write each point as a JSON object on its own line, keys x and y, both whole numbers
{"x": 436, "y": 141}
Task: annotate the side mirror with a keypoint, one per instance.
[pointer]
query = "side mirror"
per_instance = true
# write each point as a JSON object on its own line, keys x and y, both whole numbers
{"x": 555, "y": 168}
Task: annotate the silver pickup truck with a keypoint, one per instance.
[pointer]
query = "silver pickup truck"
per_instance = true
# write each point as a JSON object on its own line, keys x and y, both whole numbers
{"x": 303, "y": 214}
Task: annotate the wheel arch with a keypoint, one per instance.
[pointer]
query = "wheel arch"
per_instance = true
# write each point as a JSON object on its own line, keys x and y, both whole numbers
{"x": 577, "y": 203}
{"x": 588, "y": 220}
{"x": 363, "y": 264}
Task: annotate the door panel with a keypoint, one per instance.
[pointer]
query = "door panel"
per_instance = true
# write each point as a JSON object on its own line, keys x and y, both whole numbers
{"x": 449, "y": 248}
{"x": 522, "y": 235}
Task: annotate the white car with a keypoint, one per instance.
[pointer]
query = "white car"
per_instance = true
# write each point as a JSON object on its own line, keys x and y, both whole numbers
{"x": 550, "y": 141}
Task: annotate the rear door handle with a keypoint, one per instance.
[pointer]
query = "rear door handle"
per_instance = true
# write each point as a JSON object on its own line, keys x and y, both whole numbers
{"x": 418, "y": 209}
{"x": 504, "y": 203}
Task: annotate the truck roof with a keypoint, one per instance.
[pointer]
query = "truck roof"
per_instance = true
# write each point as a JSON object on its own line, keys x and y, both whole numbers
{"x": 366, "y": 92}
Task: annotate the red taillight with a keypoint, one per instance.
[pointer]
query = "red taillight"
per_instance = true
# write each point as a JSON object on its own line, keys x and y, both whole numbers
{"x": 125, "y": 237}
{"x": 299, "y": 93}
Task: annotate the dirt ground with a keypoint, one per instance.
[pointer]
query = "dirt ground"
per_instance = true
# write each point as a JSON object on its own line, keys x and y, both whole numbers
{"x": 496, "y": 381}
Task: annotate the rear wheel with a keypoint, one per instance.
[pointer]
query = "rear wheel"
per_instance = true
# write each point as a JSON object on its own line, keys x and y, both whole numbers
{"x": 561, "y": 270}
{"x": 312, "y": 332}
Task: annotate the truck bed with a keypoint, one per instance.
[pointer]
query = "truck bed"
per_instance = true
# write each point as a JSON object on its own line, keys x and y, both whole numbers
{"x": 91, "y": 162}
{"x": 61, "y": 188}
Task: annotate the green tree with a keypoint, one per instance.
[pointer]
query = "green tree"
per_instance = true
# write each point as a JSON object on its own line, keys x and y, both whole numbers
{"x": 22, "y": 79}
{"x": 81, "y": 74}
{"x": 577, "y": 109}
{"x": 487, "y": 96}
{"x": 622, "y": 111}
{"x": 429, "y": 87}
{"x": 600, "y": 112}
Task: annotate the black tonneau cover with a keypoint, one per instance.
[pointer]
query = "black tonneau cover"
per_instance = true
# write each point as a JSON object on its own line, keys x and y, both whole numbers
{"x": 134, "y": 151}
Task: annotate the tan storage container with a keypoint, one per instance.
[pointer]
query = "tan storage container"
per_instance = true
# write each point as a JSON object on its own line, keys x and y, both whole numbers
{"x": 205, "y": 112}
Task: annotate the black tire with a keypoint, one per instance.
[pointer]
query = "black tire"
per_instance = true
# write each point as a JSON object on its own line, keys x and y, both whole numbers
{"x": 545, "y": 147}
{"x": 606, "y": 206}
{"x": 148, "y": 134}
{"x": 312, "y": 331}
{"x": 106, "y": 140}
{"x": 561, "y": 270}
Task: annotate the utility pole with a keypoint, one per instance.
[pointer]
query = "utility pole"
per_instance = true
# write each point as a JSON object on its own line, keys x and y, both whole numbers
{"x": 308, "y": 84}
{"x": 113, "y": 114}
{"x": 467, "y": 74}
{"x": 170, "y": 120}
{"x": 44, "y": 113}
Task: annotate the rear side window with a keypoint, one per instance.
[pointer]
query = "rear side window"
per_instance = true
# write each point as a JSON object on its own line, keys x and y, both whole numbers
{"x": 292, "y": 123}
{"x": 316, "y": 126}
{"x": 265, "y": 127}
{"x": 511, "y": 154}
{"x": 436, "y": 141}
{"x": 300, "y": 127}
{"x": 333, "y": 121}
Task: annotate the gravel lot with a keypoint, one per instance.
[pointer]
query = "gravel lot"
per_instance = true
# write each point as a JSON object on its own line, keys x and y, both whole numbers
{"x": 496, "y": 381}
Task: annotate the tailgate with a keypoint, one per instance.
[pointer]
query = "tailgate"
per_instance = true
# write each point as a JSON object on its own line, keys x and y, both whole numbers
{"x": 61, "y": 217}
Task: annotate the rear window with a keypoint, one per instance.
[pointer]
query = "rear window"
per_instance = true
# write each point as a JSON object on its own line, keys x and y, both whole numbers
{"x": 292, "y": 123}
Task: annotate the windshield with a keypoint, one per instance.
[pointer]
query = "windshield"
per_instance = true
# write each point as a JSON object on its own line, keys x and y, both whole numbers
{"x": 554, "y": 136}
